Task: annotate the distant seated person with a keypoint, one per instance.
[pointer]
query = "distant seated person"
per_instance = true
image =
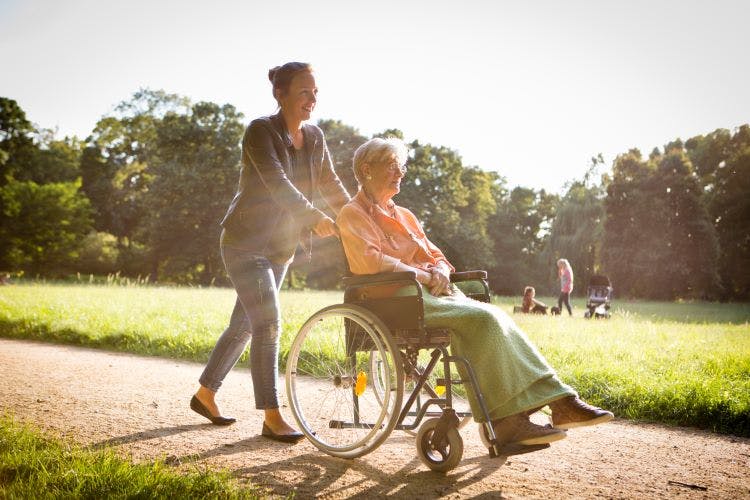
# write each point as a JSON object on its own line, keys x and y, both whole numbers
{"x": 530, "y": 304}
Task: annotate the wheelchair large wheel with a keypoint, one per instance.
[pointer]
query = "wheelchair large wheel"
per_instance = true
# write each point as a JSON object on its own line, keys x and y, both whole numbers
{"x": 459, "y": 403}
{"x": 327, "y": 381}
{"x": 443, "y": 455}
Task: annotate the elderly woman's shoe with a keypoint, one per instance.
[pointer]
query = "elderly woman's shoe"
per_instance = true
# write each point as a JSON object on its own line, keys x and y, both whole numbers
{"x": 519, "y": 430}
{"x": 572, "y": 412}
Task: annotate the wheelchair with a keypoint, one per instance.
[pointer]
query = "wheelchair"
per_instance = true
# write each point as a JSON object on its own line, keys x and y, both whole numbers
{"x": 359, "y": 370}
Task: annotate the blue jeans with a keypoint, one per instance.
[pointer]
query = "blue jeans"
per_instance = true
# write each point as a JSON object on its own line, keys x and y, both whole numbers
{"x": 256, "y": 318}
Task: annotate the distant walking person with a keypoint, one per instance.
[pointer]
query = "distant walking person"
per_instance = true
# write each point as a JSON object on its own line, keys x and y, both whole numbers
{"x": 565, "y": 272}
{"x": 285, "y": 162}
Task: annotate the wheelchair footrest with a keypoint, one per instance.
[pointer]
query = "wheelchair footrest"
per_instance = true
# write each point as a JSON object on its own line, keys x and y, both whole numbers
{"x": 516, "y": 449}
{"x": 340, "y": 424}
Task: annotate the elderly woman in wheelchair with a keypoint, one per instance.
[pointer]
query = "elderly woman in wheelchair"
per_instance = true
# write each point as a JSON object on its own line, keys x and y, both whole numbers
{"x": 397, "y": 268}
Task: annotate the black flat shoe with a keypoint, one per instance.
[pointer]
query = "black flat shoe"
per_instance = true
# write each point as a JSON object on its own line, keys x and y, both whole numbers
{"x": 295, "y": 437}
{"x": 200, "y": 409}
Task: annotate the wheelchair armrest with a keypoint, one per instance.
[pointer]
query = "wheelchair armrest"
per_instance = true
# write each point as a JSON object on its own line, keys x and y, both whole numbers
{"x": 476, "y": 276}
{"x": 380, "y": 278}
{"x": 468, "y": 275}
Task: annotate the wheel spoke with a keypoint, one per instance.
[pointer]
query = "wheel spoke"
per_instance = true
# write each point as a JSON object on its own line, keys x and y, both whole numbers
{"x": 321, "y": 381}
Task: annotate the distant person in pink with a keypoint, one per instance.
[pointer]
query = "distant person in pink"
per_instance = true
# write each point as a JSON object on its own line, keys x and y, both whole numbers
{"x": 565, "y": 272}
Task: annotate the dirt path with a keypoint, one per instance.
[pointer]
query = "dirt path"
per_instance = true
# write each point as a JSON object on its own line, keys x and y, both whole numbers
{"x": 140, "y": 406}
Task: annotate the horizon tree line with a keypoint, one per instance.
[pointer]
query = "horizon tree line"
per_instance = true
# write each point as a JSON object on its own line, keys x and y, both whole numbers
{"x": 143, "y": 195}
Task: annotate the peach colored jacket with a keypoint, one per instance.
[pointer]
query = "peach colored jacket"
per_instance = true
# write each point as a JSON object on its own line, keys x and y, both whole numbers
{"x": 376, "y": 241}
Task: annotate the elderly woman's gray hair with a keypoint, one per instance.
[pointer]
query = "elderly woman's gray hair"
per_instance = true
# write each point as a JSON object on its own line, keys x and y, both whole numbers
{"x": 377, "y": 151}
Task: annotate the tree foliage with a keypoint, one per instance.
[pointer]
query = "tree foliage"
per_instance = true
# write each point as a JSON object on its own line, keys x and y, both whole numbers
{"x": 342, "y": 141}
{"x": 659, "y": 240}
{"x": 145, "y": 192}
{"x": 519, "y": 230}
{"x": 729, "y": 205}
{"x": 44, "y": 214}
{"x": 576, "y": 233}
{"x": 453, "y": 202}
{"x": 115, "y": 164}
{"x": 15, "y": 138}
{"x": 194, "y": 172}
{"x": 42, "y": 226}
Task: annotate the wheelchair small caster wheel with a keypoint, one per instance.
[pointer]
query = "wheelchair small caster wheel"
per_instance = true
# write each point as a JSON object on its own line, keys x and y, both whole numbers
{"x": 439, "y": 456}
{"x": 483, "y": 435}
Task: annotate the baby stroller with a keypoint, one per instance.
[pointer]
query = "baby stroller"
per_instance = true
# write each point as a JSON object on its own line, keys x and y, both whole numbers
{"x": 599, "y": 297}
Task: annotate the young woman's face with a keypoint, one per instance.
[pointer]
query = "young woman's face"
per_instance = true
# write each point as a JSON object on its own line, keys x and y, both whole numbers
{"x": 298, "y": 102}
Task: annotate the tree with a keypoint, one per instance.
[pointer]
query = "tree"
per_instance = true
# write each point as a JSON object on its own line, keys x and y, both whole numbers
{"x": 194, "y": 169}
{"x": 577, "y": 230}
{"x": 15, "y": 138}
{"x": 631, "y": 241}
{"x": 707, "y": 153}
{"x": 124, "y": 142}
{"x": 729, "y": 204}
{"x": 49, "y": 160}
{"x": 115, "y": 169}
{"x": 342, "y": 141}
{"x": 98, "y": 183}
{"x": 27, "y": 154}
{"x": 519, "y": 230}
{"x": 659, "y": 241}
{"x": 689, "y": 268}
{"x": 43, "y": 213}
{"x": 43, "y": 226}
{"x": 453, "y": 202}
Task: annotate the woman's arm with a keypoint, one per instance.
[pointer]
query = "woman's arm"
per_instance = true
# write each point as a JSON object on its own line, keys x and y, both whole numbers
{"x": 442, "y": 264}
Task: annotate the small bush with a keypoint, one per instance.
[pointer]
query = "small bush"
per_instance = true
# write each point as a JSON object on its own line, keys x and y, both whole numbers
{"x": 99, "y": 254}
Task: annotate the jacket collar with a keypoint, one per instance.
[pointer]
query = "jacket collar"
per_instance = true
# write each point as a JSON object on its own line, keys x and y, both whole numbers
{"x": 280, "y": 125}
{"x": 371, "y": 208}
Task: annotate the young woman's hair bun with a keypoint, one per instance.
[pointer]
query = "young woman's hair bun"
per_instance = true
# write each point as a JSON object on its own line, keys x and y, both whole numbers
{"x": 272, "y": 72}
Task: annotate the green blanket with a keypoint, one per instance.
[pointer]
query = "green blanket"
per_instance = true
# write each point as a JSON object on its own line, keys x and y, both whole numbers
{"x": 513, "y": 375}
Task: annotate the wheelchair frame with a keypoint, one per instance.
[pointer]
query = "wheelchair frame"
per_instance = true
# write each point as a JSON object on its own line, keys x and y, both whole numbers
{"x": 393, "y": 327}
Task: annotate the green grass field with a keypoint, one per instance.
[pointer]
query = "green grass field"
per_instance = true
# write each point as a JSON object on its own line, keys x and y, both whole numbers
{"x": 677, "y": 363}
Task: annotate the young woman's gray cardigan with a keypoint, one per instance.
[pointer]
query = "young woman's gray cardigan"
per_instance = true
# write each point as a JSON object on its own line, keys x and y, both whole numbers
{"x": 270, "y": 213}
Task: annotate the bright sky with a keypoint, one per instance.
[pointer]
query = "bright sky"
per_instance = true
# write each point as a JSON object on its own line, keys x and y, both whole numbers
{"x": 531, "y": 89}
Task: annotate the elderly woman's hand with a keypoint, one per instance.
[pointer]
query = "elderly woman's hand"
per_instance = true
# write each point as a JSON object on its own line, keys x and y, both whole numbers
{"x": 440, "y": 282}
{"x": 325, "y": 227}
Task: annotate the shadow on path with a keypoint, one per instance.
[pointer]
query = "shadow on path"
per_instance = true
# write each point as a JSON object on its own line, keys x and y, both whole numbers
{"x": 158, "y": 432}
{"x": 315, "y": 473}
